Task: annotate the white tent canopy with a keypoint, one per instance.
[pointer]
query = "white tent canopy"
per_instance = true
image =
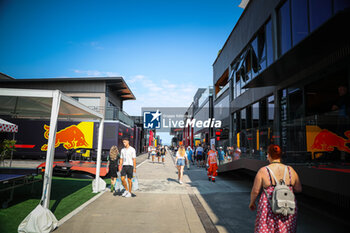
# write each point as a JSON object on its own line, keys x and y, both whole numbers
{"x": 8, "y": 127}
{"x": 53, "y": 104}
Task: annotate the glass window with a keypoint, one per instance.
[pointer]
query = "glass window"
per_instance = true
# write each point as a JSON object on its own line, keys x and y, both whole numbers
{"x": 269, "y": 44}
{"x": 261, "y": 44}
{"x": 255, "y": 115}
{"x": 271, "y": 109}
{"x": 320, "y": 11}
{"x": 263, "y": 112}
{"x": 295, "y": 102}
{"x": 255, "y": 59}
{"x": 89, "y": 101}
{"x": 249, "y": 117}
{"x": 232, "y": 88}
{"x": 238, "y": 85}
{"x": 234, "y": 123}
{"x": 284, "y": 32}
{"x": 340, "y": 5}
{"x": 300, "y": 22}
{"x": 243, "y": 119}
{"x": 238, "y": 121}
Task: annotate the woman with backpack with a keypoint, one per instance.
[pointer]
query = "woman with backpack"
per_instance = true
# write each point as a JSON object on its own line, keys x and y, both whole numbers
{"x": 279, "y": 183}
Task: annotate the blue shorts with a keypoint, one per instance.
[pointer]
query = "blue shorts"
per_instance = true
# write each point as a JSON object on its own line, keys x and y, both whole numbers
{"x": 180, "y": 162}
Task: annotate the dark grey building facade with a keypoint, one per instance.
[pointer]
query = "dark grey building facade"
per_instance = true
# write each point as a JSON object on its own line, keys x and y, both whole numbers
{"x": 285, "y": 67}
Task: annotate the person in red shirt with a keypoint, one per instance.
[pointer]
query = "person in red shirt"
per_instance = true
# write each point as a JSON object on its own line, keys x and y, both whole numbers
{"x": 212, "y": 163}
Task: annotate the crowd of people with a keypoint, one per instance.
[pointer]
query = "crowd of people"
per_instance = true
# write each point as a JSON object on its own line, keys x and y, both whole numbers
{"x": 276, "y": 183}
{"x": 158, "y": 152}
{"x": 198, "y": 155}
{"x": 203, "y": 157}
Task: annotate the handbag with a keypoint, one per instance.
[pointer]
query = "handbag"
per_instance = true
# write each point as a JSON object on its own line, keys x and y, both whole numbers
{"x": 118, "y": 186}
{"x": 135, "y": 183}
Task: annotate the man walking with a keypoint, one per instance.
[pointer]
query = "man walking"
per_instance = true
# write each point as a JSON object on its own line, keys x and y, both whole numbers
{"x": 222, "y": 155}
{"x": 212, "y": 163}
{"x": 127, "y": 165}
{"x": 199, "y": 155}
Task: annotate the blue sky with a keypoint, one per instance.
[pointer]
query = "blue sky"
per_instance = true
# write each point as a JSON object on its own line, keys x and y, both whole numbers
{"x": 163, "y": 49}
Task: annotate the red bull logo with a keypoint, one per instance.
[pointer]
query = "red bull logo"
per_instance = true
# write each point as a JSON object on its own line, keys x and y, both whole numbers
{"x": 323, "y": 140}
{"x": 327, "y": 141}
{"x": 70, "y": 137}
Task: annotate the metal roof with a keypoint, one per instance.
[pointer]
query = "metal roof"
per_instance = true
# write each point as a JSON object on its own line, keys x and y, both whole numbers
{"x": 115, "y": 84}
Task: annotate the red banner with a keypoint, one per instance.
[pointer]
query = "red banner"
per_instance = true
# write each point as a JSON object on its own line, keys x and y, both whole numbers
{"x": 150, "y": 143}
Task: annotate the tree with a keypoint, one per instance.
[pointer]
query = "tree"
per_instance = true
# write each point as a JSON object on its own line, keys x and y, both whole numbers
{"x": 6, "y": 147}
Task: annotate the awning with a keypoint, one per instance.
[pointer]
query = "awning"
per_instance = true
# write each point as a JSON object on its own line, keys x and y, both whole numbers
{"x": 24, "y": 103}
{"x": 52, "y": 104}
{"x": 8, "y": 127}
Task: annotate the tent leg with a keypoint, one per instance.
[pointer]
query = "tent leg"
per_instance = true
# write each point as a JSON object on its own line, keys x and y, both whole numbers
{"x": 13, "y": 138}
{"x": 50, "y": 153}
{"x": 97, "y": 183}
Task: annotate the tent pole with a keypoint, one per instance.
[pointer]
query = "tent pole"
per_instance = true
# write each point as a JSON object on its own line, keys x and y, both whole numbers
{"x": 99, "y": 152}
{"x": 50, "y": 153}
{"x": 13, "y": 138}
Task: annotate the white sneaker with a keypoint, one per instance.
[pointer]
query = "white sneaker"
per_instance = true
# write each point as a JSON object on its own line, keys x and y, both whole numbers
{"x": 128, "y": 194}
{"x": 124, "y": 193}
{"x": 180, "y": 182}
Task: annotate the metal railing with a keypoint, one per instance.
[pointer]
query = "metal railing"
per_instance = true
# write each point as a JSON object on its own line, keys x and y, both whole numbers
{"x": 114, "y": 113}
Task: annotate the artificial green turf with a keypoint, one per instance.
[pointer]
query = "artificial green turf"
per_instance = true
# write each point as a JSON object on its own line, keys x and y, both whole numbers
{"x": 66, "y": 195}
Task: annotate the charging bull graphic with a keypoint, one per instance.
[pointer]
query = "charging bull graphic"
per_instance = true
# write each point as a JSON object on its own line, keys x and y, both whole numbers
{"x": 72, "y": 137}
{"x": 327, "y": 141}
{"x": 323, "y": 140}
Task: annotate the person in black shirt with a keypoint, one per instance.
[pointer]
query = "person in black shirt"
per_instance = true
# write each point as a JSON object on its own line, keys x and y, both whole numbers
{"x": 113, "y": 161}
{"x": 205, "y": 156}
{"x": 162, "y": 153}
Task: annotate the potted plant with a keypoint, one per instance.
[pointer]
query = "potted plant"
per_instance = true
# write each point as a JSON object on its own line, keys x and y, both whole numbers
{"x": 6, "y": 148}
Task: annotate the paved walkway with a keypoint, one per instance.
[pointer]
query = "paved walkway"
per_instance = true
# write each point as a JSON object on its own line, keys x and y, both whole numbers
{"x": 163, "y": 205}
{"x": 160, "y": 205}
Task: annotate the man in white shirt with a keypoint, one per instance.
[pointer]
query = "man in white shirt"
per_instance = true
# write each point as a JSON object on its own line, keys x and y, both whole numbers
{"x": 127, "y": 165}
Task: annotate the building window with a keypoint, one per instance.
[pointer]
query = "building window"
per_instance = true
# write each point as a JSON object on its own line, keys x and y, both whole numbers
{"x": 340, "y": 5}
{"x": 237, "y": 85}
{"x": 320, "y": 11}
{"x": 243, "y": 119}
{"x": 258, "y": 52}
{"x": 255, "y": 115}
{"x": 221, "y": 84}
{"x": 249, "y": 117}
{"x": 91, "y": 102}
{"x": 263, "y": 112}
{"x": 284, "y": 30}
{"x": 269, "y": 45}
{"x": 232, "y": 87}
{"x": 238, "y": 121}
{"x": 300, "y": 22}
{"x": 271, "y": 109}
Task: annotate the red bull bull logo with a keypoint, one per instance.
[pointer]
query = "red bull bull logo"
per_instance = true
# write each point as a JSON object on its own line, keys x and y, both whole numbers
{"x": 70, "y": 137}
{"x": 327, "y": 141}
{"x": 324, "y": 140}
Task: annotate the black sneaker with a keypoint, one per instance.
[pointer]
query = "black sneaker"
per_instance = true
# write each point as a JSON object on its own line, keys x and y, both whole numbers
{"x": 209, "y": 178}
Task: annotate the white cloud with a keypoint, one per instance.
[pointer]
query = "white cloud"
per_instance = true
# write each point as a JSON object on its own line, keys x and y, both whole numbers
{"x": 96, "y": 73}
{"x": 95, "y": 44}
{"x": 161, "y": 94}
{"x": 135, "y": 78}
